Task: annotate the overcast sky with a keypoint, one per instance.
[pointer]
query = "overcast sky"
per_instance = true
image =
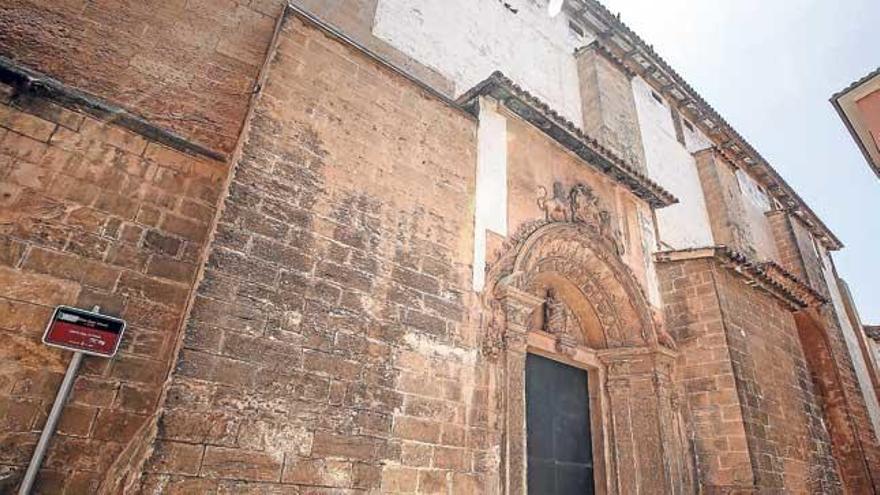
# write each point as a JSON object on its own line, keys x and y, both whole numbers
{"x": 769, "y": 67}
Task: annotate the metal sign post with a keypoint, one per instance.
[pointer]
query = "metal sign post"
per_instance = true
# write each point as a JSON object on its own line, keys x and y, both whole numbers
{"x": 51, "y": 422}
{"x": 83, "y": 332}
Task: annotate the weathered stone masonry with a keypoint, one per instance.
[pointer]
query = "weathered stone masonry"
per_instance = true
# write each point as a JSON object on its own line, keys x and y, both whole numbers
{"x": 301, "y": 360}
{"x": 92, "y": 214}
{"x": 284, "y": 212}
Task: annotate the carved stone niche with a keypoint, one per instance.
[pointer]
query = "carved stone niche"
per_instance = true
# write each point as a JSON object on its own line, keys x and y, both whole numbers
{"x": 560, "y": 290}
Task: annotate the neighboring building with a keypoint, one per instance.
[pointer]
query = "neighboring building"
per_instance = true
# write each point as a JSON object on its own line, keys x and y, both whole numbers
{"x": 408, "y": 246}
{"x": 859, "y": 107}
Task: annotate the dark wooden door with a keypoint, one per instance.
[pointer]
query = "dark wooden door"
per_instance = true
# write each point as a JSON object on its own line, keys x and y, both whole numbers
{"x": 559, "y": 444}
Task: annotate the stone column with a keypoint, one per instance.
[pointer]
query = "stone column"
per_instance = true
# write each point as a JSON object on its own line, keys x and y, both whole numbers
{"x": 647, "y": 454}
{"x": 518, "y": 306}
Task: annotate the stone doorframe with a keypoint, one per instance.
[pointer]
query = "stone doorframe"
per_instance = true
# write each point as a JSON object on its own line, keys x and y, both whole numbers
{"x": 638, "y": 437}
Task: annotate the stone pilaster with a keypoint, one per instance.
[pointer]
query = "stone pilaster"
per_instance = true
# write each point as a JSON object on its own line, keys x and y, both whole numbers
{"x": 647, "y": 449}
{"x": 609, "y": 109}
{"x": 517, "y": 306}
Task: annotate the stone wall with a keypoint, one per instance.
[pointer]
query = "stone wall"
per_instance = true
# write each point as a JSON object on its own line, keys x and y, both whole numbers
{"x": 707, "y": 378}
{"x": 799, "y": 254}
{"x": 779, "y": 406}
{"x": 724, "y": 203}
{"x": 609, "y": 110}
{"x": 748, "y": 391}
{"x": 90, "y": 214}
{"x": 789, "y": 254}
{"x": 188, "y": 66}
{"x": 329, "y": 345}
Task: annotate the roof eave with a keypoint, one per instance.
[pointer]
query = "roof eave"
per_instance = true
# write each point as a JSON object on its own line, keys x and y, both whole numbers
{"x": 748, "y": 157}
{"x": 531, "y": 109}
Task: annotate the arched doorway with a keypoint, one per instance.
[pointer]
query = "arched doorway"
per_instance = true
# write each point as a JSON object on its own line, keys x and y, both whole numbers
{"x": 560, "y": 291}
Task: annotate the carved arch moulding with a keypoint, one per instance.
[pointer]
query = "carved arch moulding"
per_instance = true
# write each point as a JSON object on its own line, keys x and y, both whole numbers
{"x": 573, "y": 254}
{"x": 559, "y": 288}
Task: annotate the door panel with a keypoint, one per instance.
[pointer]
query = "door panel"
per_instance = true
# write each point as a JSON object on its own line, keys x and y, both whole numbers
{"x": 559, "y": 444}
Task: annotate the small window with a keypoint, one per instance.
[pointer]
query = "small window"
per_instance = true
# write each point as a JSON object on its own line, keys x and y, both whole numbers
{"x": 575, "y": 29}
{"x": 687, "y": 125}
{"x": 657, "y": 97}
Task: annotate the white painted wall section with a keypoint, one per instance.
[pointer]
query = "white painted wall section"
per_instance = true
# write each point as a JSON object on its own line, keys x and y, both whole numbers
{"x": 649, "y": 245}
{"x": 756, "y": 204}
{"x": 490, "y": 207}
{"x": 466, "y": 40}
{"x": 685, "y": 224}
{"x": 694, "y": 139}
{"x": 852, "y": 344}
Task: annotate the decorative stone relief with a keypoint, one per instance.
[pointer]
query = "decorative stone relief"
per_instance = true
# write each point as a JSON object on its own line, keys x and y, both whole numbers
{"x": 495, "y": 329}
{"x": 663, "y": 337}
{"x": 581, "y": 205}
{"x": 560, "y": 322}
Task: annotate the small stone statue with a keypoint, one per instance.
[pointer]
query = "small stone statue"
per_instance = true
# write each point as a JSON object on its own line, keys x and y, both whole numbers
{"x": 555, "y": 208}
{"x": 555, "y": 316}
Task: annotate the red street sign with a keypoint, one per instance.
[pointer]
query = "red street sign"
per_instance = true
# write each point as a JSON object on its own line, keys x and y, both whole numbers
{"x": 84, "y": 331}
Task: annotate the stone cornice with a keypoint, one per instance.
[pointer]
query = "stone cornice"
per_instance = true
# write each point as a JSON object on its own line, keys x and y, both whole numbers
{"x": 568, "y": 135}
{"x": 766, "y": 275}
{"x": 641, "y": 59}
{"x": 873, "y": 332}
{"x": 607, "y": 55}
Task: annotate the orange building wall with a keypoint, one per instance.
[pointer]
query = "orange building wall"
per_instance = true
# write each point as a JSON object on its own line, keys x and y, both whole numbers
{"x": 869, "y": 107}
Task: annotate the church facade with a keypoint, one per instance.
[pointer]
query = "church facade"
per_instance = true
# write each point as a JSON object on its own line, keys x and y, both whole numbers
{"x": 406, "y": 246}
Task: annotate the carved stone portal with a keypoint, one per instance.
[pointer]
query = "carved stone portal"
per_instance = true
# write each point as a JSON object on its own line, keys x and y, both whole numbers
{"x": 562, "y": 278}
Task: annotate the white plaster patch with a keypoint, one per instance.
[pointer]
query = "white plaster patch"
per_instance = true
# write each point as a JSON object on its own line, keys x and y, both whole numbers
{"x": 685, "y": 224}
{"x": 491, "y": 184}
{"x": 752, "y": 191}
{"x": 466, "y": 40}
{"x": 426, "y": 346}
{"x": 755, "y": 205}
{"x": 694, "y": 139}
{"x": 649, "y": 243}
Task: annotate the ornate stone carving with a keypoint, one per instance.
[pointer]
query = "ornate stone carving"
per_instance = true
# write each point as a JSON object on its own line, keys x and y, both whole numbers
{"x": 663, "y": 337}
{"x": 495, "y": 330}
{"x": 576, "y": 252}
{"x": 555, "y": 314}
{"x": 556, "y": 208}
{"x": 558, "y": 321}
{"x": 581, "y": 205}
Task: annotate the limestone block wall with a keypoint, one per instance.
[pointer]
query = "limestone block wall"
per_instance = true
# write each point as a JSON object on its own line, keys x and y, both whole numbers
{"x": 856, "y": 361}
{"x": 814, "y": 264}
{"x": 609, "y": 108}
{"x": 187, "y": 66}
{"x": 91, "y": 213}
{"x": 707, "y": 379}
{"x": 724, "y": 201}
{"x": 755, "y": 416}
{"x": 779, "y": 404}
{"x": 329, "y": 345}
